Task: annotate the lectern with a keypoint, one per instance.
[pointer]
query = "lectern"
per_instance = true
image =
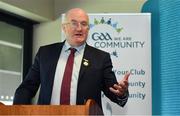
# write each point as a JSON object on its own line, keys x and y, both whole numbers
{"x": 90, "y": 108}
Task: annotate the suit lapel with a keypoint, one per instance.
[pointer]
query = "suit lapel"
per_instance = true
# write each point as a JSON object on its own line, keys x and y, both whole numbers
{"x": 86, "y": 61}
{"x": 52, "y": 67}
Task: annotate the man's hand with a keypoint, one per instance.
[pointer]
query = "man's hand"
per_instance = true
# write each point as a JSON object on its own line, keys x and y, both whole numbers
{"x": 122, "y": 86}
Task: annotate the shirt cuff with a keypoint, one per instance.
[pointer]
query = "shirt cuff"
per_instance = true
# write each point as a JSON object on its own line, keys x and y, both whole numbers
{"x": 121, "y": 100}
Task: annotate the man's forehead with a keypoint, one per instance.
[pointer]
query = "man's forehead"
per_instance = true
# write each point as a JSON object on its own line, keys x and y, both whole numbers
{"x": 76, "y": 11}
{"x": 77, "y": 18}
{"x": 77, "y": 14}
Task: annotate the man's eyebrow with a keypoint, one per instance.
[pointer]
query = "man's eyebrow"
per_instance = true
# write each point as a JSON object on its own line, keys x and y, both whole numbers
{"x": 74, "y": 20}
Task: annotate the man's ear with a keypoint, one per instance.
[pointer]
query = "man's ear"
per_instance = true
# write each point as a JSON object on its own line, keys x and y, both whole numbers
{"x": 63, "y": 28}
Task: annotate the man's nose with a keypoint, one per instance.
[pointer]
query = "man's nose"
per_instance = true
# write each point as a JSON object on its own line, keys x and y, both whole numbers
{"x": 79, "y": 27}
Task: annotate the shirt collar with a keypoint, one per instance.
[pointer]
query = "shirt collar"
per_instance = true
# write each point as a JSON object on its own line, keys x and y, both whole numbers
{"x": 78, "y": 48}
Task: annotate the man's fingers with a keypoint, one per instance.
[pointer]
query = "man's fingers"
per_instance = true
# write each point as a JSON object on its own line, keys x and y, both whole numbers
{"x": 126, "y": 77}
{"x": 115, "y": 91}
{"x": 123, "y": 85}
{"x": 119, "y": 87}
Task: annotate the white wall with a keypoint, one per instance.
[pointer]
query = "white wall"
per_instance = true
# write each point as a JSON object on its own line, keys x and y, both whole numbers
{"x": 99, "y": 6}
{"x": 46, "y": 33}
{"x": 43, "y": 8}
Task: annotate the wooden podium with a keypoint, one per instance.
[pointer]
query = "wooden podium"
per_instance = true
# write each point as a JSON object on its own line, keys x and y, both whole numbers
{"x": 90, "y": 108}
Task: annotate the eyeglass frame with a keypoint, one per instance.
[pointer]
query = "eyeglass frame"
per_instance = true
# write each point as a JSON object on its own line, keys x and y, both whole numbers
{"x": 75, "y": 24}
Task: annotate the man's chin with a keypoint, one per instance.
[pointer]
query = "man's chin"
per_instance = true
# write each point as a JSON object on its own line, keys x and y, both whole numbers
{"x": 79, "y": 38}
{"x": 79, "y": 42}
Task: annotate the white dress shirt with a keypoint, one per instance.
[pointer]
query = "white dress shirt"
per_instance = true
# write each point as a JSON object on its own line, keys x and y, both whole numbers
{"x": 60, "y": 68}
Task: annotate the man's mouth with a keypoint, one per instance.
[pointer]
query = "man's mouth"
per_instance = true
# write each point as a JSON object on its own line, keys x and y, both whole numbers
{"x": 78, "y": 35}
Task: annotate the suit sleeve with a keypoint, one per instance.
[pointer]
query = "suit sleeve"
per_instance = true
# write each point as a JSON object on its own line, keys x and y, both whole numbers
{"x": 109, "y": 79}
{"x": 28, "y": 88}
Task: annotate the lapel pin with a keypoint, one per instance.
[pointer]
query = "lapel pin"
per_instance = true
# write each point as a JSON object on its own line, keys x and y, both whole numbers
{"x": 86, "y": 62}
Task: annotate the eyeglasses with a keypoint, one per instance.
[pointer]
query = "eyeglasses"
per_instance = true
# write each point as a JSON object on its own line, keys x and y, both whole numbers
{"x": 75, "y": 24}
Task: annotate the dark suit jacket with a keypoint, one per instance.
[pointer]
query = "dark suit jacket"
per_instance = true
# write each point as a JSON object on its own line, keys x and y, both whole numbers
{"x": 94, "y": 78}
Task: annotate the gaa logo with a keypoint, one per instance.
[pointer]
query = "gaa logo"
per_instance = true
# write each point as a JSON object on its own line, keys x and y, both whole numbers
{"x": 101, "y": 36}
